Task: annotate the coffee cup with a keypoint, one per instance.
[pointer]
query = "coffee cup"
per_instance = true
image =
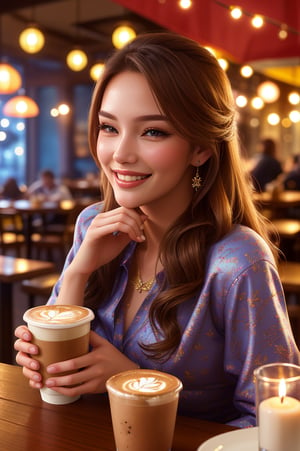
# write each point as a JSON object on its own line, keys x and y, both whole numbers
{"x": 61, "y": 332}
{"x": 143, "y": 404}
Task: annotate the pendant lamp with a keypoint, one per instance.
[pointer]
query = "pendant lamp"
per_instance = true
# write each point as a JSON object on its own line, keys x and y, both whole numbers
{"x": 21, "y": 106}
{"x": 122, "y": 35}
{"x": 96, "y": 71}
{"x": 10, "y": 79}
{"x": 31, "y": 40}
{"x": 77, "y": 60}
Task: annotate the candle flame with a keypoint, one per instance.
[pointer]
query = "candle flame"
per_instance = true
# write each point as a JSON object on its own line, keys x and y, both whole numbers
{"x": 282, "y": 389}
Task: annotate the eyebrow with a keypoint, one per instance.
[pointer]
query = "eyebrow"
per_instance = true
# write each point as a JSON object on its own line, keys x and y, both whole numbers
{"x": 146, "y": 117}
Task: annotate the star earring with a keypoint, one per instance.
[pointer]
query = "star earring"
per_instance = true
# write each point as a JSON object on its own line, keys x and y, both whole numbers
{"x": 197, "y": 180}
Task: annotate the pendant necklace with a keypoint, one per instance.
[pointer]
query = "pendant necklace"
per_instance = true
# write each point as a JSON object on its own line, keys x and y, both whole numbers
{"x": 141, "y": 286}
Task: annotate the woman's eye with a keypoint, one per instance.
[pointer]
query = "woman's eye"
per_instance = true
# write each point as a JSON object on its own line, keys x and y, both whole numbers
{"x": 154, "y": 132}
{"x": 107, "y": 128}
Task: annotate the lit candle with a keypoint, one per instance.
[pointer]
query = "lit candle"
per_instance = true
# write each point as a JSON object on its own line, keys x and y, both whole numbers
{"x": 279, "y": 422}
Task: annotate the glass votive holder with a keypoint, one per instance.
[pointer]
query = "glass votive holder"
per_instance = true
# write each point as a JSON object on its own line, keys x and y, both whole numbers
{"x": 278, "y": 406}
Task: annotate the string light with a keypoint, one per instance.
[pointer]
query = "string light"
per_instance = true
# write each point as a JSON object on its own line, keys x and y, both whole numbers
{"x": 236, "y": 12}
{"x": 273, "y": 119}
{"x": 294, "y": 98}
{"x": 268, "y": 91}
{"x": 185, "y": 4}
{"x": 258, "y": 20}
{"x": 294, "y": 116}
{"x": 283, "y": 34}
{"x": 241, "y": 101}
{"x": 246, "y": 71}
{"x": 257, "y": 103}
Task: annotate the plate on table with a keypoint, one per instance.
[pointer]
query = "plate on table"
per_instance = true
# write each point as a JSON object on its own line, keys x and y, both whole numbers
{"x": 239, "y": 440}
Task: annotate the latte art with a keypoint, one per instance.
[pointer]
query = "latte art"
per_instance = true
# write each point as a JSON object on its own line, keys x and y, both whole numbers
{"x": 145, "y": 385}
{"x": 58, "y": 314}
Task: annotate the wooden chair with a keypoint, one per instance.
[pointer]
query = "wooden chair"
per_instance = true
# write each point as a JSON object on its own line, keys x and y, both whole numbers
{"x": 53, "y": 241}
{"x": 39, "y": 286}
{"x": 11, "y": 233}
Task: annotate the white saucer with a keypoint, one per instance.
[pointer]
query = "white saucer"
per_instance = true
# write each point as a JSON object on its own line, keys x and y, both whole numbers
{"x": 239, "y": 440}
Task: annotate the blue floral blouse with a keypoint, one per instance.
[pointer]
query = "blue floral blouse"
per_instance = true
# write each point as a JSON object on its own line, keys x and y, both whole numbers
{"x": 237, "y": 322}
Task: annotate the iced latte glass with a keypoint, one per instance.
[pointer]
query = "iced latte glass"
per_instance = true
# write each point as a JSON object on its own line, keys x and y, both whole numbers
{"x": 61, "y": 332}
{"x": 143, "y": 407}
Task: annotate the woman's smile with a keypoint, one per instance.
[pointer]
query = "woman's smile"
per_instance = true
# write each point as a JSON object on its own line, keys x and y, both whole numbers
{"x": 143, "y": 156}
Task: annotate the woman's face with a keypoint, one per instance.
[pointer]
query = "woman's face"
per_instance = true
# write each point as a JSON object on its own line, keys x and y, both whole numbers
{"x": 143, "y": 157}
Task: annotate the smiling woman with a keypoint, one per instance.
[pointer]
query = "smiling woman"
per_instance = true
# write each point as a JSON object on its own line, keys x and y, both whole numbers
{"x": 176, "y": 261}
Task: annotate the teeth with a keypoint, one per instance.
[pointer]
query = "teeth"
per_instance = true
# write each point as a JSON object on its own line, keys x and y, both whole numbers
{"x": 130, "y": 178}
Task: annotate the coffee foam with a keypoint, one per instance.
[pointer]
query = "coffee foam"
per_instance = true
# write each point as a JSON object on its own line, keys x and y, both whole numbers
{"x": 57, "y": 314}
{"x": 58, "y": 322}
{"x": 144, "y": 384}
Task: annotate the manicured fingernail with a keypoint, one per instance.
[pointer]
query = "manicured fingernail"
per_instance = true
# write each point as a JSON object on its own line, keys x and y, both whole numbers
{"x": 33, "y": 350}
{"x": 26, "y": 336}
{"x": 37, "y": 377}
{"x": 50, "y": 383}
{"x": 34, "y": 366}
{"x": 50, "y": 369}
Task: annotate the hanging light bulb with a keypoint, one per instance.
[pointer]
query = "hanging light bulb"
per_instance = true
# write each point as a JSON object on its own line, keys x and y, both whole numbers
{"x": 122, "y": 35}
{"x": 77, "y": 60}
{"x": 10, "y": 79}
{"x": 31, "y": 40}
{"x": 236, "y": 12}
{"x": 96, "y": 71}
{"x": 21, "y": 106}
{"x": 268, "y": 91}
{"x": 246, "y": 71}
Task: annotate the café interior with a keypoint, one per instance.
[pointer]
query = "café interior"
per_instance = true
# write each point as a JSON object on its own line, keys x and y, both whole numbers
{"x": 44, "y": 107}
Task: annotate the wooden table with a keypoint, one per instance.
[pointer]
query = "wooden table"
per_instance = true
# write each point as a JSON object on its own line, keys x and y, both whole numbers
{"x": 28, "y": 211}
{"x": 14, "y": 270}
{"x": 27, "y": 423}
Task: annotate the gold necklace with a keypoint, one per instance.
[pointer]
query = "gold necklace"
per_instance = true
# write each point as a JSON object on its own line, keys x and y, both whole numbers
{"x": 141, "y": 286}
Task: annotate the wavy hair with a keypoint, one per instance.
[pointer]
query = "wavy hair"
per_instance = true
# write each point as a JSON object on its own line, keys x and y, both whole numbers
{"x": 194, "y": 93}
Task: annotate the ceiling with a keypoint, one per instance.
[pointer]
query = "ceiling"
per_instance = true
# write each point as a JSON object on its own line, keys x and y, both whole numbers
{"x": 89, "y": 24}
{"x": 66, "y": 24}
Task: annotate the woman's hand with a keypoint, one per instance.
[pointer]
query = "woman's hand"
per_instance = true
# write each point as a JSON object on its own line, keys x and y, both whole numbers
{"x": 106, "y": 237}
{"x": 25, "y": 350}
{"x": 91, "y": 370}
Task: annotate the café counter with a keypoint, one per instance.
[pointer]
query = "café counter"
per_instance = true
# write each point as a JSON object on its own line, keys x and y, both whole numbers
{"x": 27, "y": 423}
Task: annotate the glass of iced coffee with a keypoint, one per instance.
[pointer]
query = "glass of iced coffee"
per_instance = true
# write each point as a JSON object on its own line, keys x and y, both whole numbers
{"x": 143, "y": 407}
{"x": 61, "y": 332}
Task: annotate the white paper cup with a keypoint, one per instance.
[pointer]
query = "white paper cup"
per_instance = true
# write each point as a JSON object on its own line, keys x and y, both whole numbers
{"x": 61, "y": 332}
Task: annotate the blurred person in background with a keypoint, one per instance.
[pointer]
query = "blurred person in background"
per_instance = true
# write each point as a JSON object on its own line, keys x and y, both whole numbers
{"x": 268, "y": 167}
{"x": 291, "y": 180}
{"x": 11, "y": 190}
{"x": 47, "y": 188}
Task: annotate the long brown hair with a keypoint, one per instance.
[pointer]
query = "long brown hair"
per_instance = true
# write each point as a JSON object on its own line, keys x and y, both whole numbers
{"x": 194, "y": 93}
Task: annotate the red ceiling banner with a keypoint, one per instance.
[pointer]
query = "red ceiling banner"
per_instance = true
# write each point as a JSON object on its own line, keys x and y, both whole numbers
{"x": 210, "y": 23}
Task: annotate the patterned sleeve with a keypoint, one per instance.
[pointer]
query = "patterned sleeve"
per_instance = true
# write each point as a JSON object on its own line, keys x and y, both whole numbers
{"x": 258, "y": 331}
